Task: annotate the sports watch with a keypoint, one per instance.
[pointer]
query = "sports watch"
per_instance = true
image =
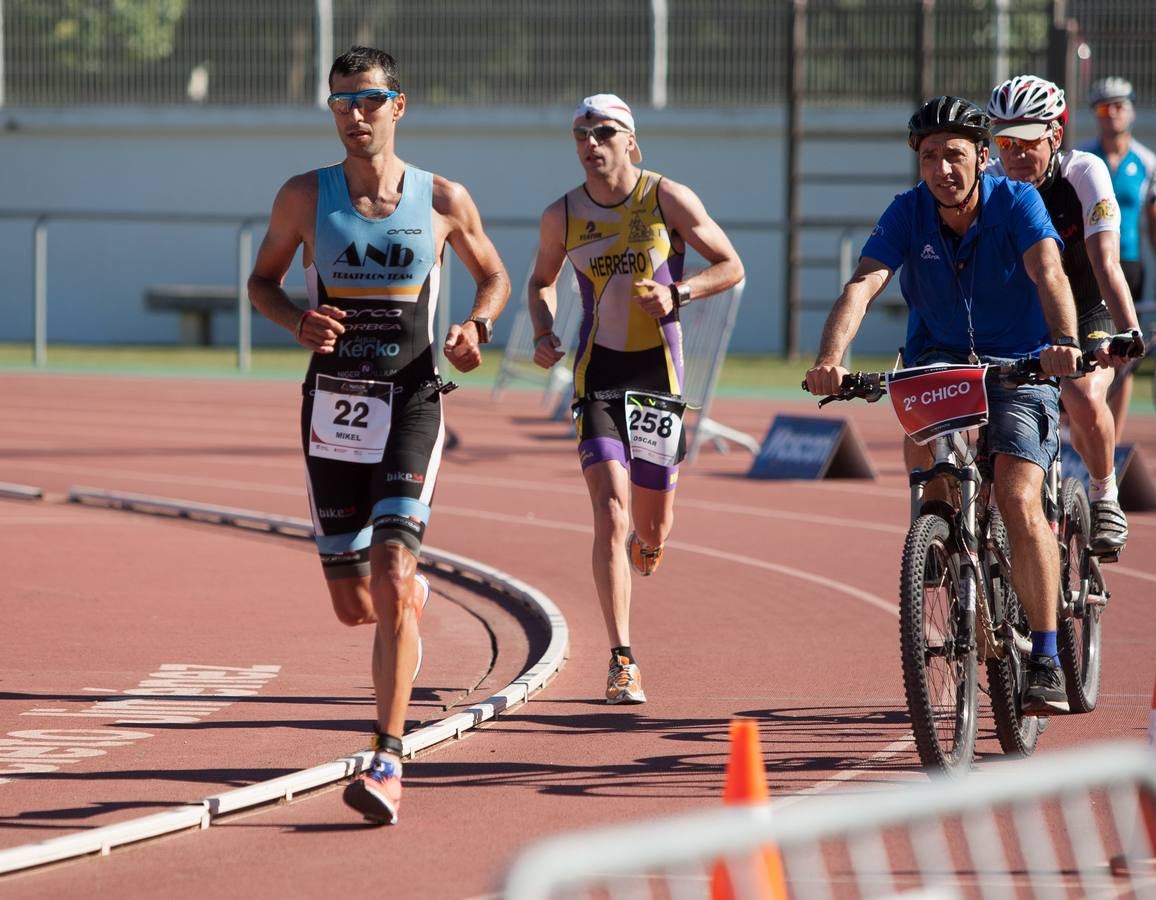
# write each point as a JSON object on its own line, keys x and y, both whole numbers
{"x": 1066, "y": 341}
{"x": 679, "y": 293}
{"x": 482, "y": 324}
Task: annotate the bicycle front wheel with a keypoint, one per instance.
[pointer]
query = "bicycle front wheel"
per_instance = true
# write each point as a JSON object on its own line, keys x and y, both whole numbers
{"x": 939, "y": 676}
{"x": 1078, "y": 637}
{"x": 1017, "y": 733}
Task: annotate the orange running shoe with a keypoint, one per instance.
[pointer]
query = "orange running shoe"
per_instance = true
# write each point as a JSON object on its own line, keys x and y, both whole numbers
{"x": 644, "y": 560}
{"x": 624, "y": 682}
{"x": 376, "y": 794}
{"x": 423, "y": 599}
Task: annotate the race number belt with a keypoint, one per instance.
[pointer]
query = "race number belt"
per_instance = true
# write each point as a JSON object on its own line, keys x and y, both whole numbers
{"x": 351, "y": 419}
{"x": 935, "y": 400}
{"x": 655, "y": 425}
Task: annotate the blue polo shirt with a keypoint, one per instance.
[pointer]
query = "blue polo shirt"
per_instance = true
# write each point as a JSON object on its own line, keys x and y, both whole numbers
{"x": 938, "y": 278}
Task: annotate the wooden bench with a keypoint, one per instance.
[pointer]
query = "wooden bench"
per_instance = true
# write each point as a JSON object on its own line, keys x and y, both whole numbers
{"x": 195, "y": 305}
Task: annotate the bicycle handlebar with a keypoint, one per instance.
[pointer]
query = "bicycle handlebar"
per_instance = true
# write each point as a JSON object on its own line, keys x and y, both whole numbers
{"x": 870, "y": 386}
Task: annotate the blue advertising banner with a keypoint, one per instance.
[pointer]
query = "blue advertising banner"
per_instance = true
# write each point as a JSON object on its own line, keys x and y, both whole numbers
{"x": 808, "y": 447}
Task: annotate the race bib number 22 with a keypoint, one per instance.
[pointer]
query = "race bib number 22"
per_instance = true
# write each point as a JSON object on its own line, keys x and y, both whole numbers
{"x": 350, "y": 419}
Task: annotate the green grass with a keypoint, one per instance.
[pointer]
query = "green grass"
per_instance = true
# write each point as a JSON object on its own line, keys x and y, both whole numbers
{"x": 740, "y": 374}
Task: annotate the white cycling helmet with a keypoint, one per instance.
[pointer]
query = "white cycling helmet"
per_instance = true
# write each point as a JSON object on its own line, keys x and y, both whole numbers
{"x": 1025, "y": 107}
{"x": 1108, "y": 89}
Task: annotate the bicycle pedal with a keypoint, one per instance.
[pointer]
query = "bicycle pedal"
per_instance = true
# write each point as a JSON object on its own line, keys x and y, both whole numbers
{"x": 1110, "y": 556}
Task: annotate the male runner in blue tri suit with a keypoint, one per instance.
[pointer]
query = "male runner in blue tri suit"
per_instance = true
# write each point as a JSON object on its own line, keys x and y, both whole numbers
{"x": 374, "y": 231}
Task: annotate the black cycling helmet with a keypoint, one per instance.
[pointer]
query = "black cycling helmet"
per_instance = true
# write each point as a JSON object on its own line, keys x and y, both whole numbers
{"x": 953, "y": 114}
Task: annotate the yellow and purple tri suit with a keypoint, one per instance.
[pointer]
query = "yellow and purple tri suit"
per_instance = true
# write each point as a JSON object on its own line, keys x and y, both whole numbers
{"x": 619, "y": 346}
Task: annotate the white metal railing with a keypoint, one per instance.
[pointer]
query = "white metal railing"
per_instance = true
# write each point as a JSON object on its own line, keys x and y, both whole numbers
{"x": 1073, "y": 823}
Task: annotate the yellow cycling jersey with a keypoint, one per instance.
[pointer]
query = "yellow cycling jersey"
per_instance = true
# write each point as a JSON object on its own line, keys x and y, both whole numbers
{"x": 610, "y": 248}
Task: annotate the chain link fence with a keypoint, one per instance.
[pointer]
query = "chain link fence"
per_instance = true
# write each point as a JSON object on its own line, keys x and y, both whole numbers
{"x": 724, "y": 53}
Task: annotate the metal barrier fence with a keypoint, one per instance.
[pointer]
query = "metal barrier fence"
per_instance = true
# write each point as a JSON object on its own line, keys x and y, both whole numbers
{"x": 517, "y": 363}
{"x": 245, "y": 227}
{"x": 529, "y": 53}
{"x": 1081, "y": 823}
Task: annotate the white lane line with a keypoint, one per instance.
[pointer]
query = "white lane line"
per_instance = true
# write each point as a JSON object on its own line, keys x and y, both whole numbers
{"x": 824, "y": 581}
{"x": 839, "y": 779}
{"x": 191, "y": 480}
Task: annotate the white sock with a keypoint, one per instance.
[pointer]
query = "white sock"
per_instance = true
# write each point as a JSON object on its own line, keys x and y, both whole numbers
{"x": 1103, "y": 488}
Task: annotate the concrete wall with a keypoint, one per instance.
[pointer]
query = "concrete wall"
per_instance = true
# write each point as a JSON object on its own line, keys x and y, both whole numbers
{"x": 231, "y": 163}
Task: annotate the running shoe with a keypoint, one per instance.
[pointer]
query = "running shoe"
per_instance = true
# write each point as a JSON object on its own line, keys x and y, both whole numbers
{"x": 624, "y": 682}
{"x": 1044, "y": 693}
{"x": 423, "y": 588}
{"x": 1109, "y": 527}
{"x": 645, "y": 560}
{"x": 376, "y": 794}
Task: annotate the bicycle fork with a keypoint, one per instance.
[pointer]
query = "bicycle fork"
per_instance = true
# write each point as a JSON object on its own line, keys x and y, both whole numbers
{"x": 950, "y": 451}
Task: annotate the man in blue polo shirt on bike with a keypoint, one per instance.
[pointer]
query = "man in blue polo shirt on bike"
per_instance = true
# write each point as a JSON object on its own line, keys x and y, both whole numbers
{"x": 980, "y": 269}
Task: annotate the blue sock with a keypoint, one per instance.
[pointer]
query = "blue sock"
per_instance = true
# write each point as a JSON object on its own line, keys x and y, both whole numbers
{"x": 1044, "y": 644}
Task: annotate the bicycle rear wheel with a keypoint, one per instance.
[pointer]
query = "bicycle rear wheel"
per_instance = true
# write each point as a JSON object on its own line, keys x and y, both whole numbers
{"x": 1017, "y": 733}
{"x": 939, "y": 678}
{"x": 1078, "y": 636}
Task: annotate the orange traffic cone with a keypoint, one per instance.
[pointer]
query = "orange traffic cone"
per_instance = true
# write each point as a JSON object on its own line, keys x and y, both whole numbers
{"x": 761, "y": 876}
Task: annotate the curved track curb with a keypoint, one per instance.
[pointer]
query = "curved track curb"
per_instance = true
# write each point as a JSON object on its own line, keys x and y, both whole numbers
{"x": 201, "y": 815}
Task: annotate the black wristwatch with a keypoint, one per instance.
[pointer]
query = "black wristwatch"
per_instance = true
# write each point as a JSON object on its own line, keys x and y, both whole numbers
{"x": 1066, "y": 341}
{"x": 679, "y": 293}
{"x": 482, "y": 324}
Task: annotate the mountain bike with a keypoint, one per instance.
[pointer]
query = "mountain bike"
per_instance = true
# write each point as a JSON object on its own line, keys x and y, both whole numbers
{"x": 957, "y": 604}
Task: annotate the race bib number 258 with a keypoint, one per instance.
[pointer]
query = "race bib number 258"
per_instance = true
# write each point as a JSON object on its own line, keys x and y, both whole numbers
{"x": 655, "y": 426}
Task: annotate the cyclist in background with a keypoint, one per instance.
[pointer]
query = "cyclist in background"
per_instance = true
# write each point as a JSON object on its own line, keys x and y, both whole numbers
{"x": 1133, "y": 168}
{"x": 625, "y": 230}
{"x": 980, "y": 269}
{"x": 1028, "y": 115}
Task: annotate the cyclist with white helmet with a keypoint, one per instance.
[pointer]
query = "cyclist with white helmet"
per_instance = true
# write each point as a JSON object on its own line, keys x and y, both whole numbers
{"x": 979, "y": 266}
{"x": 1028, "y": 115}
{"x": 1133, "y": 168}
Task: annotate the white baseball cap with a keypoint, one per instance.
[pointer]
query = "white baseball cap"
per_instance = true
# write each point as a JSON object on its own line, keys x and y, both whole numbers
{"x": 1025, "y": 131}
{"x": 610, "y": 106}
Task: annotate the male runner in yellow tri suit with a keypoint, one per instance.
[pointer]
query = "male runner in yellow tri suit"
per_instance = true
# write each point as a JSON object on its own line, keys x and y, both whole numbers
{"x": 625, "y": 232}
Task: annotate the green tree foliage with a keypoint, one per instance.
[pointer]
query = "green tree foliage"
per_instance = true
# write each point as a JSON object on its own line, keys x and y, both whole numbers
{"x": 82, "y": 34}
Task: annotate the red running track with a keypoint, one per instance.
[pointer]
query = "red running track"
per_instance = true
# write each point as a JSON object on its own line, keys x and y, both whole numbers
{"x": 776, "y": 600}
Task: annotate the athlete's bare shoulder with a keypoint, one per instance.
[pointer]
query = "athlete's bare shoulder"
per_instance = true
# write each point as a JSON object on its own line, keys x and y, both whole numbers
{"x": 302, "y": 186}
{"x": 297, "y": 199}
{"x": 450, "y": 198}
{"x": 673, "y": 194}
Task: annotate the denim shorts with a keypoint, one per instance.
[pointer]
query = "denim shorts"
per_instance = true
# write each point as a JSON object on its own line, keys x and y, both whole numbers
{"x": 1022, "y": 421}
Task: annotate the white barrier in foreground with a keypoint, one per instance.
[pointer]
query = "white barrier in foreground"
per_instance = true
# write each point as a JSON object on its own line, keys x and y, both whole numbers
{"x": 1044, "y": 827}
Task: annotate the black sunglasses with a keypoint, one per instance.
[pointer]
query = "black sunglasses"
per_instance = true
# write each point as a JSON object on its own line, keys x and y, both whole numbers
{"x": 602, "y": 133}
